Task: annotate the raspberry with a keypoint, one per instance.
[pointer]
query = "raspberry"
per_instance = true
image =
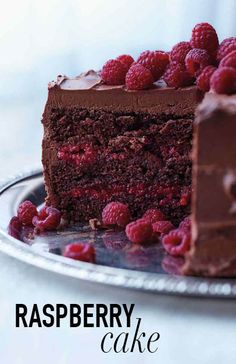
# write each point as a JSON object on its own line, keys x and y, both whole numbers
{"x": 116, "y": 213}
{"x": 196, "y": 60}
{"x": 223, "y": 80}
{"x": 185, "y": 197}
{"x": 229, "y": 60}
{"x": 126, "y": 60}
{"x": 205, "y": 37}
{"x": 82, "y": 155}
{"x": 113, "y": 72}
{"x": 162, "y": 227}
{"x": 26, "y": 211}
{"x": 203, "y": 80}
{"x": 153, "y": 215}
{"x": 176, "y": 76}
{"x": 138, "y": 78}
{"x": 48, "y": 219}
{"x": 80, "y": 251}
{"x": 179, "y": 52}
{"x": 155, "y": 61}
{"x": 226, "y": 46}
{"x": 139, "y": 231}
{"x": 176, "y": 242}
{"x": 14, "y": 228}
{"x": 185, "y": 224}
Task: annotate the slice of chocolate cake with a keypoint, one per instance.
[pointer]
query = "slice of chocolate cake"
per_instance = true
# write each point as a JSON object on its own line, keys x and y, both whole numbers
{"x": 213, "y": 251}
{"x": 104, "y": 143}
{"x": 124, "y": 135}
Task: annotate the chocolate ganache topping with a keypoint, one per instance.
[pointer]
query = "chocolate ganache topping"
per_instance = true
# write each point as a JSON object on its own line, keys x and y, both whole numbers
{"x": 88, "y": 90}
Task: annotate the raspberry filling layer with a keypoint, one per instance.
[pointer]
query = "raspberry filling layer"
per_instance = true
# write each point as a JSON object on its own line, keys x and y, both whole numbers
{"x": 139, "y": 159}
{"x": 103, "y": 193}
{"x": 172, "y": 201}
{"x": 81, "y": 155}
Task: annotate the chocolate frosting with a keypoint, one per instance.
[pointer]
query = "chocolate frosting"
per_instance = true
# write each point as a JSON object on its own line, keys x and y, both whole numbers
{"x": 229, "y": 183}
{"x": 88, "y": 90}
{"x": 85, "y": 81}
{"x": 90, "y": 80}
{"x": 213, "y": 250}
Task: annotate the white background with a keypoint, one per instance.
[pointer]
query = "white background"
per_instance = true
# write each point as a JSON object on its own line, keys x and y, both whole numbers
{"x": 40, "y": 39}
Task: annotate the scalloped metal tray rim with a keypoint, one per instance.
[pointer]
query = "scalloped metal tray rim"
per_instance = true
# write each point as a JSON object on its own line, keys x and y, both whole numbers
{"x": 153, "y": 282}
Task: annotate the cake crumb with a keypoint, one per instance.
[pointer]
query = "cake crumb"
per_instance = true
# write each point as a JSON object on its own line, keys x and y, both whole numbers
{"x": 96, "y": 224}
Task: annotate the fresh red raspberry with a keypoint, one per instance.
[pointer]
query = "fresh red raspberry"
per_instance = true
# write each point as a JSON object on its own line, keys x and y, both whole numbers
{"x": 223, "y": 80}
{"x": 26, "y": 211}
{"x": 82, "y": 155}
{"x": 113, "y": 72}
{"x": 155, "y": 61}
{"x": 14, "y": 228}
{"x": 205, "y": 37}
{"x": 179, "y": 52}
{"x": 126, "y": 60}
{"x": 185, "y": 224}
{"x": 176, "y": 76}
{"x": 185, "y": 197}
{"x": 196, "y": 60}
{"x": 139, "y": 231}
{"x": 84, "y": 252}
{"x": 48, "y": 219}
{"x": 177, "y": 242}
{"x": 153, "y": 215}
{"x": 203, "y": 80}
{"x": 162, "y": 227}
{"x": 43, "y": 213}
{"x": 226, "y": 46}
{"x": 116, "y": 213}
{"x": 138, "y": 78}
{"x": 229, "y": 60}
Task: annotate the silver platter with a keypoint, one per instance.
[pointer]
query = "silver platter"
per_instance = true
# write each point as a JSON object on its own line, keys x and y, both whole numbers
{"x": 147, "y": 273}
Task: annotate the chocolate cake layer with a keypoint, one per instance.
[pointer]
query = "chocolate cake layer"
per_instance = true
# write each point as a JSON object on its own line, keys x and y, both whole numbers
{"x": 104, "y": 143}
{"x": 213, "y": 251}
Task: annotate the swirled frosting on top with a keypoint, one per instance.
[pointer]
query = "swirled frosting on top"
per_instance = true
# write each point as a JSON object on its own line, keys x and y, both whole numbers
{"x": 88, "y": 90}
{"x": 90, "y": 80}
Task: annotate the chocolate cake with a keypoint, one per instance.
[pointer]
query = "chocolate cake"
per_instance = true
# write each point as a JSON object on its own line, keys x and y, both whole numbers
{"x": 213, "y": 250}
{"x": 103, "y": 143}
{"x": 119, "y": 146}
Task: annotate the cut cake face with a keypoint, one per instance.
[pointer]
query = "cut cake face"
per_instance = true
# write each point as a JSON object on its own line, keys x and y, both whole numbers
{"x": 104, "y": 143}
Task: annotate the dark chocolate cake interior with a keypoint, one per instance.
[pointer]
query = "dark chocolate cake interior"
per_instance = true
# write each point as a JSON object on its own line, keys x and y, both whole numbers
{"x": 138, "y": 154}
